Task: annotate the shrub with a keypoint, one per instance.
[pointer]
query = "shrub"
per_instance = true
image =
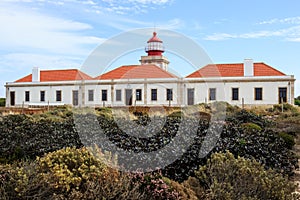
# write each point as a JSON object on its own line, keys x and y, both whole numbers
{"x": 70, "y": 167}
{"x": 23, "y": 136}
{"x": 22, "y": 181}
{"x": 185, "y": 193}
{"x": 228, "y": 178}
{"x": 75, "y": 174}
{"x": 176, "y": 114}
{"x": 155, "y": 185}
{"x": 244, "y": 116}
{"x": 288, "y": 139}
{"x": 251, "y": 127}
{"x": 297, "y": 102}
{"x": 264, "y": 146}
{"x": 286, "y": 107}
{"x": 2, "y": 102}
{"x": 65, "y": 174}
{"x": 112, "y": 185}
{"x": 193, "y": 184}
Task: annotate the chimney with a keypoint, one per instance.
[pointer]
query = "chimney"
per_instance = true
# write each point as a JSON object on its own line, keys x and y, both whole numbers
{"x": 248, "y": 67}
{"x": 36, "y": 74}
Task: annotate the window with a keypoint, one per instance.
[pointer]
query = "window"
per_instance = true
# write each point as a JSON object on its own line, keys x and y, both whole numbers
{"x": 58, "y": 95}
{"x": 212, "y": 94}
{"x": 169, "y": 94}
{"x": 282, "y": 94}
{"x": 235, "y": 93}
{"x": 42, "y": 96}
{"x": 138, "y": 94}
{"x": 258, "y": 93}
{"x": 118, "y": 95}
{"x": 153, "y": 94}
{"x": 104, "y": 95}
{"x": 91, "y": 95}
{"x": 27, "y": 96}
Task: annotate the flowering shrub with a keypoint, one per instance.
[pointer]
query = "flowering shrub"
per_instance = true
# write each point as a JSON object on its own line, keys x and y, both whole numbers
{"x": 155, "y": 185}
{"x": 70, "y": 167}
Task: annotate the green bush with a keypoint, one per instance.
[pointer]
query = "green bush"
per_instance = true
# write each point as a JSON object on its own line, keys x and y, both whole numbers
{"x": 251, "y": 127}
{"x": 297, "y": 102}
{"x": 2, "y": 102}
{"x": 25, "y": 137}
{"x": 286, "y": 107}
{"x": 288, "y": 139}
{"x": 244, "y": 116}
{"x": 226, "y": 177}
{"x": 176, "y": 114}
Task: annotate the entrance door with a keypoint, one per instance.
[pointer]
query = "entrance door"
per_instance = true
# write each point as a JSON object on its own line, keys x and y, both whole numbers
{"x": 128, "y": 99}
{"x": 282, "y": 95}
{"x": 190, "y": 96}
{"x": 75, "y": 97}
{"x": 12, "y": 98}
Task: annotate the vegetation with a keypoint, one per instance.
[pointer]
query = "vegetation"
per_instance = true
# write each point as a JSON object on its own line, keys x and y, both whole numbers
{"x": 23, "y": 136}
{"x": 297, "y": 101}
{"x": 76, "y": 174}
{"x": 288, "y": 139}
{"x": 2, "y": 102}
{"x": 226, "y": 177}
{"x": 43, "y": 157}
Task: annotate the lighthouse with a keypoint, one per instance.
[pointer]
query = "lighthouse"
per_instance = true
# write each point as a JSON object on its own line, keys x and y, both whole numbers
{"x": 155, "y": 50}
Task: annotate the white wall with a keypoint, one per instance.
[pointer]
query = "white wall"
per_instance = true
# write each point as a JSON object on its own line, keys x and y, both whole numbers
{"x": 201, "y": 87}
{"x": 133, "y": 85}
{"x": 246, "y": 92}
{"x": 34, "y": 91}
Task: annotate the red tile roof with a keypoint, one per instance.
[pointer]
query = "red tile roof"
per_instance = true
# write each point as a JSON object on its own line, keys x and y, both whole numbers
{"x": 58, "y": 75}
{"x": 234, "y": 70}
{"x": 136, "y": 71}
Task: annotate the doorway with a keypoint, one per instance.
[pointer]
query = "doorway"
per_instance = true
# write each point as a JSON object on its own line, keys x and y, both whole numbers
{"x": 190, "y": 96}
{"x": 12, "y": 98}
{"x": 282, "y": 95}
{"x": 128, "y": 99}
{"x": 75, "y": 97}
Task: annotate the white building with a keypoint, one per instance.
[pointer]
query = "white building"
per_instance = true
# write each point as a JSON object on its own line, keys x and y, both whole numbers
{"x": 151, "y": 84}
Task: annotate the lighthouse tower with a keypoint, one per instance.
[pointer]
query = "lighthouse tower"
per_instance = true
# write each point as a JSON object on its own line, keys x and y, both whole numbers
{"x": 155, "y": 50}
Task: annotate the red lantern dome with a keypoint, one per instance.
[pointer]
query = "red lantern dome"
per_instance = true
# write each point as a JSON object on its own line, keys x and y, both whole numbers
{"x": 155, "y": 46}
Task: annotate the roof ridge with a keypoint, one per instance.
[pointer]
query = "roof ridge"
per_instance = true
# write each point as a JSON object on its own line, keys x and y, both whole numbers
{"x": 60, "y": 69}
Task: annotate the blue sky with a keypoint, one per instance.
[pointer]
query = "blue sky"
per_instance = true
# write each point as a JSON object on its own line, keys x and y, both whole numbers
{"x": 61, "y": 34}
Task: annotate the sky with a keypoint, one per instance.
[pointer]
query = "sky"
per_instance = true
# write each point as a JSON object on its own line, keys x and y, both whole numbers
{"x": 62, "y": 34}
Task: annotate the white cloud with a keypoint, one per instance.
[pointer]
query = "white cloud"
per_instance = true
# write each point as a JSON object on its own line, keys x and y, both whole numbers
{"x": 172, "y": 24}
{"x": 157, "y": 2}
{"x": 289, "y": 20}
{"x": 130, "y": 6}
{"x": 295, "y": 39}
{"x": 21, "y": 29}
{"x": 120, "y": 7}
{"x": 220, "y": 36}
{"x": 17, "y": 62}
{"x": 290, "y": 34}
